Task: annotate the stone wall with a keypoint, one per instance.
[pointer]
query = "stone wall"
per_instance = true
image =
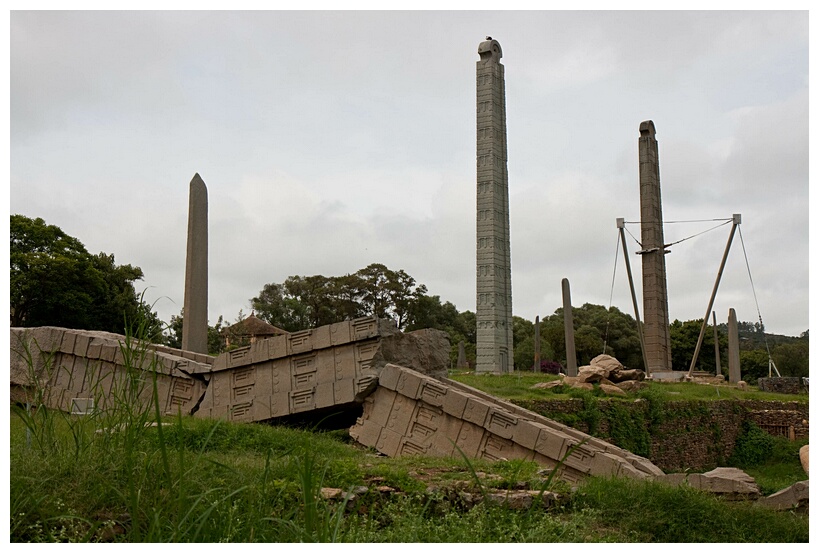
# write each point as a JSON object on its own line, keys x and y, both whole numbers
{"x": 782, "y": 385}
{"x": 677, "y": 435}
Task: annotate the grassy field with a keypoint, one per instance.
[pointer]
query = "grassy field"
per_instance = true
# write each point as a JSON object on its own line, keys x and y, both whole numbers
{"x": 72, "y": 479}
{"x": 519, "y": 386}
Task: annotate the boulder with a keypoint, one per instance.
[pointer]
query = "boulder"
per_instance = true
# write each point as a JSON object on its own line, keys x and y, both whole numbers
{"x": 612, "y": 390}
{"x": 728, "y": 482}
{"x": 590, "y": 373}
{"x": 606, "y": 362}
{"x": 425, "y": 351}
{"x": 631, "y": 385}
{"x": 792, "y": 497}
{"x": 803, "y": 457}
{"x": 624, "y": 375}
{"x": 547, "y": 385}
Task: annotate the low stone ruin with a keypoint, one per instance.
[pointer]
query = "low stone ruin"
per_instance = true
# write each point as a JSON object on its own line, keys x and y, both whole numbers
{"x": 395, "y": 380}
{"x": 606, "y": 372}
{"x": 409, "y": 407}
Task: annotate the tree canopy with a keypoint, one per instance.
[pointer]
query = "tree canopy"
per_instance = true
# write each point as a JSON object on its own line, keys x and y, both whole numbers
{"x": 302, "y": 302}
{"x": 55, "y": 281}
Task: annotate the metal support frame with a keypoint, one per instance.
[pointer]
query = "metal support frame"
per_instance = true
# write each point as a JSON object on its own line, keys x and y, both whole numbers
{"x": 737, "y": 220}
{"x": 621, "y": 224}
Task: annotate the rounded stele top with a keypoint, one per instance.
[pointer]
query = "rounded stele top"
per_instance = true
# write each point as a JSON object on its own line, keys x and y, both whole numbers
{"x": 490, "y": 49}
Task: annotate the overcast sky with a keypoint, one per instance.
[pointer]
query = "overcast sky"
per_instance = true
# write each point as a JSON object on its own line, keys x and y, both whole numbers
{"x": 332, "y": 140}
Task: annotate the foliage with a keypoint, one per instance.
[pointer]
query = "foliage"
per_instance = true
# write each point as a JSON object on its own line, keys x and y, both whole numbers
{"x": 597, "y": 330}
{"x": 56, "y": 282}
{"x": 302, "y": 302}
{"x": 644, "y": 511}
{"x": 753, "y": 446}
{"x": 216, "y": 338}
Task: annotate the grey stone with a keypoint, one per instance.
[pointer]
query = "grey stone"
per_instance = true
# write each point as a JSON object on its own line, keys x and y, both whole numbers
{"x": 493, "y": 311}
{"x": 655, "y": 292}
{"x": 795, "y": 496}
{"x": 462, "y": 362}
{"x": 195, "y": 311}
{"x": 591, "y": 373}
{"x": 426, "y": 351}
{"x": 414, "y": 420}
{"x": 734, "y": 373}
{"x": 631, "y": 385}
{"x": 606, "y": 362}
{"x": 731, "y": 483}
{"x": 612, "y": 390}
{"x": 626, "y": 374}
{"x": 547, "y": 385}
{"x": 568, "y": 329}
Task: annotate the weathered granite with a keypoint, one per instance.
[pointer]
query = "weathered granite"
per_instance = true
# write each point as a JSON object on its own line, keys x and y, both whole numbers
{"x": 655, "y": 292}
{"x": 796, "y": 496}
{"x": 413, "y": 414}
{"x": 493, "y": 311}
{"x": 195, "y": 311}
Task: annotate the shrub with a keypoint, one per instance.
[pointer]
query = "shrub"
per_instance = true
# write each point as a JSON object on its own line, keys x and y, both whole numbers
{"x": 753, "y": 446}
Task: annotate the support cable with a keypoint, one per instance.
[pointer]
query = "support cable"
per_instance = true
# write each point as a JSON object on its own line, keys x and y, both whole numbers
{"x": 611, "y": 293}
{"x": 758, "y": 312}
{"x": 699, "y": 233}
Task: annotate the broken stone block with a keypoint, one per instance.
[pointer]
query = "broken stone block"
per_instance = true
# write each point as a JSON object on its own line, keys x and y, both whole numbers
{"x": 792, "y": 497}
{"x": 591, "y": 373}
{"x": 626, "y": 375}
{"x": 731, "y": 483}
{"x": 612, "y": 390}
{"x": 606, "y": 362}
{"x": 426, "y": 351}
{"x": 631, "y": 385}
{"x": 548, "y": 385}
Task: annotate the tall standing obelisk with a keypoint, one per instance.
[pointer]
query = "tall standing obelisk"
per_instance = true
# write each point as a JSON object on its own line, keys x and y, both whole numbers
{"x": 195, "y": 314}
{"x": 494, "y": 265}
{"x": 655, "y": 292}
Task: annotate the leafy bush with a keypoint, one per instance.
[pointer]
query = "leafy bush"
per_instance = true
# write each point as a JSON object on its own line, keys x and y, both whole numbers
{"x": 753, "y": 446}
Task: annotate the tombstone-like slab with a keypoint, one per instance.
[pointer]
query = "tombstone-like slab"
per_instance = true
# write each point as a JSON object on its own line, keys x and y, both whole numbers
{"x": 413, "y": 414}
{"x": 58, "y": 367}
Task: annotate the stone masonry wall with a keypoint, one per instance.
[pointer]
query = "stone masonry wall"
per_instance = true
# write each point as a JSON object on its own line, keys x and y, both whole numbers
{"x": 683, "y": 434}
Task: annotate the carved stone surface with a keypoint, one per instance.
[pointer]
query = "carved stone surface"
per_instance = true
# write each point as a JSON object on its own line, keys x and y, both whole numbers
{"x": 195, "y": 313}
{"x": 413, "y": 414}
{"x": 655, "y": 292}
{"x": 296, "y": 373}
{"x": 405, "y": 411}
{"x": 66, "y": 365}
{"x": 729, "y": 482}
{"x": 494, "y": 268}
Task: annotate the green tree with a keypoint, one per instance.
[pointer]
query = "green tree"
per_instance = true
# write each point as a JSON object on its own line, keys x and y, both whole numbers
{"x": 792, "y": 358}
{"x": 597, "y": 330}
{"x": 753, "y": 365}
{"x": 54, "y": 281}
{"x": 684, "y": 337}
{"x": 216, "y": 339}
{"x": 302, "y": 302}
